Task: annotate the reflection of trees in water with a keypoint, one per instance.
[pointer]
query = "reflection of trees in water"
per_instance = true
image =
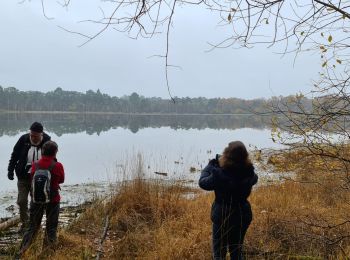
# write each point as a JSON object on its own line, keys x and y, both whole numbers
{"x": 12, "y": 124}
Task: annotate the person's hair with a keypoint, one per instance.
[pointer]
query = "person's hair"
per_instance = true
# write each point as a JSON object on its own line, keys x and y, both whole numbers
{"x": 37, "y": 127}
{"x": 234, "y": 155}
{"x": 49, "y": 148}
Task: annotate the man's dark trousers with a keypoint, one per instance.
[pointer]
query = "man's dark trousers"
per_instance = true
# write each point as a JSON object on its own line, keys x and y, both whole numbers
{"x": 23, "y": 186}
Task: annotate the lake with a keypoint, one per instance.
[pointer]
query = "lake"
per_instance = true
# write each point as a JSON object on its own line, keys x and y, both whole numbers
{"x": 101, "y": 148}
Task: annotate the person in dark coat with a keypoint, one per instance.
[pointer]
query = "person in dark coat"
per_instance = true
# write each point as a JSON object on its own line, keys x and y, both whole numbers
{"x": 26, "y": 150}
{"x": 231, "y": 176}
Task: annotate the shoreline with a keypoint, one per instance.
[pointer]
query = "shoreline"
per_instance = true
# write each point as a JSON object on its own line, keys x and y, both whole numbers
{"x": 72, "y": 196}
{"x": 123, "y": 113}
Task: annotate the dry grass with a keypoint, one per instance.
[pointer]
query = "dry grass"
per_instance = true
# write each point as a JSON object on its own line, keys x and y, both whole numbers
{"x": 309, "y": 215}
{"x": 297, "y": 219}
{"x": 150, "y": 220}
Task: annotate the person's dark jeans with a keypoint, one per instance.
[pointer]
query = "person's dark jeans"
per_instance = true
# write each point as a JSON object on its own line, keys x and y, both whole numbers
{"x": 36, "y": 214}
{"x": 230, "y": 224}
{"x": 229, "y": 237}
{"x": 23, "y": 186}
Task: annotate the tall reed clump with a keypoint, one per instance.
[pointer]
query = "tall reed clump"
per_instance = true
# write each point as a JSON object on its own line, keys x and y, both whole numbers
{"x": 149, "y": 219}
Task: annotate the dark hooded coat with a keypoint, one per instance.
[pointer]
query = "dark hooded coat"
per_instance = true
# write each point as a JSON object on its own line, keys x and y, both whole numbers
{"x": 232, "y": 189}
{"x": 18, "y": 160}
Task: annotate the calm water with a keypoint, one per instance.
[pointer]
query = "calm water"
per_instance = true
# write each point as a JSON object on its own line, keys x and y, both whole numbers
{"x": 99, "y": 148}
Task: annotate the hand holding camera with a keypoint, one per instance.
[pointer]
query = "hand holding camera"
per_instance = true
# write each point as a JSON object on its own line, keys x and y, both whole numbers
{"x": 215, "y": 161}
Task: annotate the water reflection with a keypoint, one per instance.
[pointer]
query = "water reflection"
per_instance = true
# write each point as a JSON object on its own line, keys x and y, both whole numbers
{"x": 59, "y": 124}
{"x": 102, "y": 148}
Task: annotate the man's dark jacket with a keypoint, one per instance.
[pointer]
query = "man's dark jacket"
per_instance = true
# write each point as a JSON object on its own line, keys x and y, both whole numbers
{"x": 232, "y": 188}
{"x": 19, "y": 156}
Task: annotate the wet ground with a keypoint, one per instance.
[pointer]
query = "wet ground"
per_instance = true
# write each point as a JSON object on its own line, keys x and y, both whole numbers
{"x": 10, "y": 238}
{"x": 75, "y": 198}
{"x": 72, "y": 195}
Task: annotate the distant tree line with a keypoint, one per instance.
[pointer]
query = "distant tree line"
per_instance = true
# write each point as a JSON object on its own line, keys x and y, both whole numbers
{"x": 12, "y": 99}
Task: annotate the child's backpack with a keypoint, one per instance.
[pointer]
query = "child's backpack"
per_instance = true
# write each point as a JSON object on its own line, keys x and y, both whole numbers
{"x": 41, "y": 184}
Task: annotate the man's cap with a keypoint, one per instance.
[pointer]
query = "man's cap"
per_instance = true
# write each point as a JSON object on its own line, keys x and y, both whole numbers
{"x": 37, "y": 127}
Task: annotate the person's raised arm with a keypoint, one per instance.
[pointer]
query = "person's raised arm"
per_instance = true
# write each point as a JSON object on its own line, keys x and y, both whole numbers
{"x": 207, "y": 178}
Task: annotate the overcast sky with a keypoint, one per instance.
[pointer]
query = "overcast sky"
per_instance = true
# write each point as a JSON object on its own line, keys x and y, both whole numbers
{"x": 35, "y": 54}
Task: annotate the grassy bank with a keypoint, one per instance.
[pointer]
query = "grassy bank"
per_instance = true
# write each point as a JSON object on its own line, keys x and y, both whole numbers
{"x": 304, "y": 218}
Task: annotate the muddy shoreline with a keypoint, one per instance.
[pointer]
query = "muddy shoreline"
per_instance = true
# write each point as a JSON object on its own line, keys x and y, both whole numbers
{"x": 10, "y": 238}
{"x": 75, "y": 199}
{"x": 71, "y": 196}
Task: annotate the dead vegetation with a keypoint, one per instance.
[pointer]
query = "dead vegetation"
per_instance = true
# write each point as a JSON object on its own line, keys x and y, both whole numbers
{"x": 304, "y": 218}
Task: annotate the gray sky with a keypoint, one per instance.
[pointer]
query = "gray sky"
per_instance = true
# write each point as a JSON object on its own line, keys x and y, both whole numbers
{"x": 36, "y": 54}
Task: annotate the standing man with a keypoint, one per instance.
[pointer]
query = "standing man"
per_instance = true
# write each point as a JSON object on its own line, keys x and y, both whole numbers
{"x": 26, "y": 150}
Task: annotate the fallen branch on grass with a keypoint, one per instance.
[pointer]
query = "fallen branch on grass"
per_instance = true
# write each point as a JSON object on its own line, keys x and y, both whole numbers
{"x": 9, "y": 223}
{"x": 103, "y": 237}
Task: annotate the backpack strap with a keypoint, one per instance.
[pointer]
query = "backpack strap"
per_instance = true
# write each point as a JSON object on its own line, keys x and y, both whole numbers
{"x": 36, "y": 164}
